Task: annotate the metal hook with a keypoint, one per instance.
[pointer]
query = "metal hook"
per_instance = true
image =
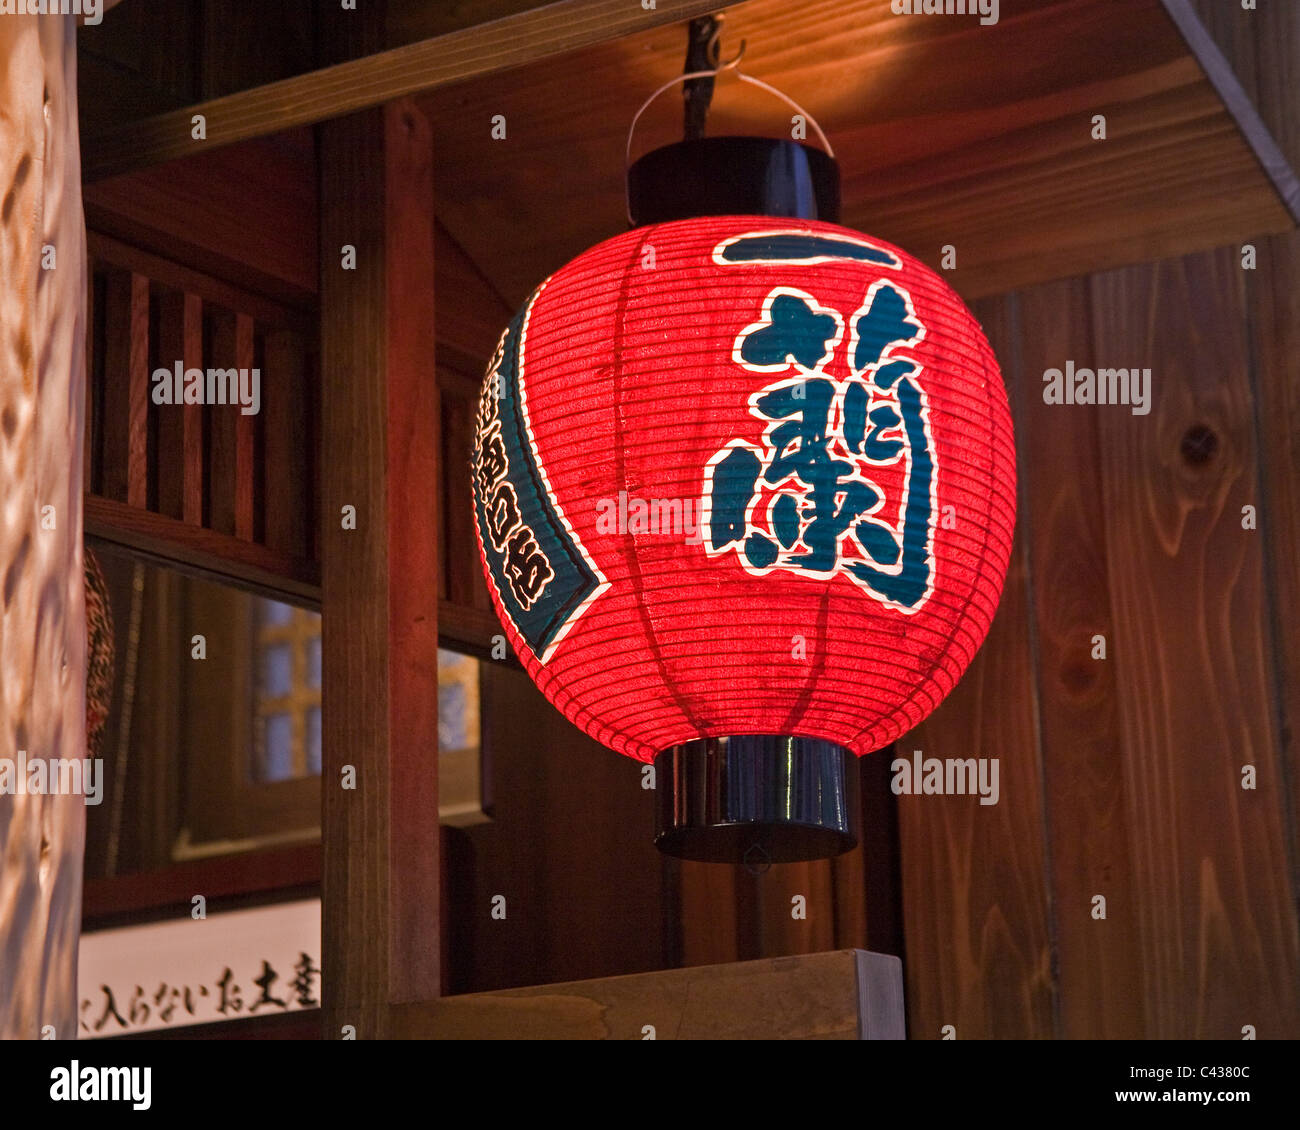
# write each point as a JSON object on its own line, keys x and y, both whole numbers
{"x": 714, "y": 47}
{"x": 732, "y": 64}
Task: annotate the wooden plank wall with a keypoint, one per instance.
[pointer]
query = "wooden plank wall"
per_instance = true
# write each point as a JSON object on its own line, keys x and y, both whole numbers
{"x": 1263, "y": 47}
{"x": 1123, "y": 777}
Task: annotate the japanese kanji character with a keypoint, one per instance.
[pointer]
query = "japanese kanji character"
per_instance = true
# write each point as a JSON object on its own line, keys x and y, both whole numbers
{"x": 110, "y": 1009}
{"x": 304, "y": 974}
{"x": 264, "y": 982}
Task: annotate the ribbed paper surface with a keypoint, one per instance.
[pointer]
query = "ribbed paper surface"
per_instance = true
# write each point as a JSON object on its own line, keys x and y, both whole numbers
{"x": 827, "y": 414}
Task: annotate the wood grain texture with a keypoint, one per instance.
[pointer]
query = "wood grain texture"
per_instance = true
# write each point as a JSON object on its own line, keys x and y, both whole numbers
{"x": 1099, "y": 964}
{"x": 379, "y": 78}
{"x": 1237, "y": 102}
{"x": 1214, "y": 903}
{"x": 221, "y": 424}
{"x": 1273, "y": 307}
{"x": 460, "y": 572}
{"x": 290, "y": 437}
{"x": 231, "y": 472}
{"x": 706, "y": 907}
{"x": 781, "y": 931}
{"x": 246, "y": 214}
{"x": 471, "y": 630}
{"x": 245, "y": 436}
{"x": 720, "y": 912}
{"x": 408, "y": 21}
{"x": 570, "y": 848}
{"x": 239, "y": 228}
{"x": 243, "y": 563}
{"x": 124, "y": 898}
{"x": 412, "y": 475}
{"x": 179, "y": 467}
{"x": 43, "y": 627}
{"x": 205, "y": 464}
{"x": 815, "y": 997}
{"x": 114, "y": 254}
{"x": 1263, "y": 47}
{"x": 947, "y": 133}
{"x": 975, "y": 882}
{"x": 379, "y": 580}
{"x": 471, "y": 315}
{"x": 126, "y": 388}
{"x": 975, "y": 903}
{"x": 354, "y": 579}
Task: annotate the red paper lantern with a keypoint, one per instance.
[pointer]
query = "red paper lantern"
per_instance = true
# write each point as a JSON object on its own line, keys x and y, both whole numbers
{"x": 742, "y": 475}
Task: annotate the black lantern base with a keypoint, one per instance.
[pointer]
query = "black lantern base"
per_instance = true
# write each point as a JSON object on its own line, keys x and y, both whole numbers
{"x": 756, "y": 799}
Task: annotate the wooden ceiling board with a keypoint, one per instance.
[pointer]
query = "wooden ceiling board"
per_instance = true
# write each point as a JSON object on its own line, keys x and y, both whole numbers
{"x": 947, "y": 132}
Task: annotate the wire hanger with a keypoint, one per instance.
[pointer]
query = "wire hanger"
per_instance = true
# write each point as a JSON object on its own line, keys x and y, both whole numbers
{"x": 719, "y": 68}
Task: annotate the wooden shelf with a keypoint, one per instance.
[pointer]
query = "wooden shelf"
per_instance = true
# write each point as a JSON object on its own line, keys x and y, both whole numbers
{"x": 844, "y": 995}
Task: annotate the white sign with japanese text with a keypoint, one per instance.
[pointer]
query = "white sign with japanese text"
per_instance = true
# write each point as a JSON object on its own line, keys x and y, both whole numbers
{"x": 228, "y": 966}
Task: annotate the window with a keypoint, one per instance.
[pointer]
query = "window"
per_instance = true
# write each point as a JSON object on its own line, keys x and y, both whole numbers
{"x": 287, "y": 732}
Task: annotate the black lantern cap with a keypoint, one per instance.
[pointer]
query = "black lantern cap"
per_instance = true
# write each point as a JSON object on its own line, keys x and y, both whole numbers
{"x": 733, "y": 176}
{"x": 756, "y": 799}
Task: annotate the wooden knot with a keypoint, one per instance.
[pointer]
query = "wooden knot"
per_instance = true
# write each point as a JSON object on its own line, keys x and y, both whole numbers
{"x": 1199, "y": 444}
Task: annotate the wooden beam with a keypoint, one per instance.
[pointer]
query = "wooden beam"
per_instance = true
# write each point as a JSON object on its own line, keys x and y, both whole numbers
{"x": 379, "y": 78}
{"x": 844, "y": 995}
{"x": 379, "y": 426}
{"x": 203, "y": 551}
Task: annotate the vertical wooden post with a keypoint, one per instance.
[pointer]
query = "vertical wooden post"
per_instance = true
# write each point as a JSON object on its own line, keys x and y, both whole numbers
{"x": 288, "y": 433}
{"x": 126, "y": 389}
{"x": 379, "y": 430}
{"x": 180, "y": 438}
{"x": 42, "y": 406}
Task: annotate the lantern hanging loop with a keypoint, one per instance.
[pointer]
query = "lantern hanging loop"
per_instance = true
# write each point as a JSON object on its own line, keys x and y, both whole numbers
{"x": 729, "y": 65}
